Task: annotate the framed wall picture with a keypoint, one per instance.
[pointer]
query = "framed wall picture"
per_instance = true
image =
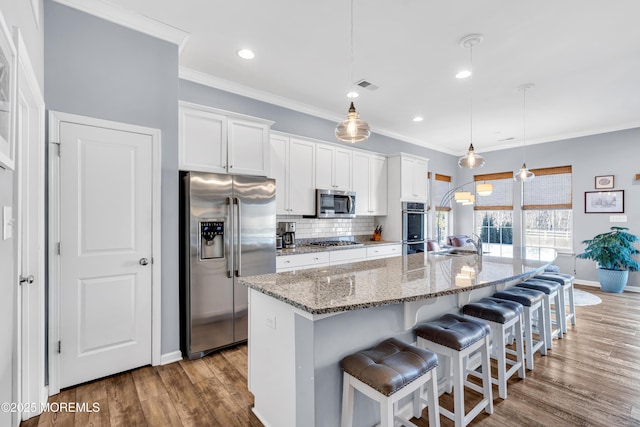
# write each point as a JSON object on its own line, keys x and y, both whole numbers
{"x": 604, "y": 201}
{"x": 603, "y": 182}
{"x": 7, "y": 97}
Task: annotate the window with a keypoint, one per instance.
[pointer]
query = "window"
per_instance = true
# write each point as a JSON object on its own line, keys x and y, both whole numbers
{"x": 441, "y": 186}
{"x": 494, "y": 213}
{"x": 547, "y": 209}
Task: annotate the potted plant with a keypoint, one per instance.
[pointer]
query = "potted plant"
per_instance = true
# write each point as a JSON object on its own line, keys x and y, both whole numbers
{"x": 613, "y": 251}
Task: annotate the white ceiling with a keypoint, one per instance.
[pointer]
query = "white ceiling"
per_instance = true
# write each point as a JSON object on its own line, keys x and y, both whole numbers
{"x": 582, "y": 55}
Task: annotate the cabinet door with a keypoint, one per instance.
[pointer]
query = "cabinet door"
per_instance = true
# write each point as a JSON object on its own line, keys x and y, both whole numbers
{"x": 324, "y": 167}
{"x": 342, "y": 168}
{"x": 378, "y": 185}
{"x": 203, "y": 141}
{"x": 278, "y": 166}
{"x": 361, "y": 182}
{"x": 406, "y": 179}
{"x": 302, "y": 172}
{"x": 248, "y": 147}
{"x": 420, "y": 179}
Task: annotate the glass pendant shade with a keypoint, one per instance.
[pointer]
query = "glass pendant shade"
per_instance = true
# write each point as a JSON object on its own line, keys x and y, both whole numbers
{"x": 353, "y": 129}
{"x": 471, "y": 160}
{"x": 484, "y": 189}
{"x": 524, "y": 174}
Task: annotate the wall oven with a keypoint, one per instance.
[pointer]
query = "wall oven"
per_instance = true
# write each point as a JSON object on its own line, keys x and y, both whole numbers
{"x": 413, "y": 227}
{"x": 335, "y": 204}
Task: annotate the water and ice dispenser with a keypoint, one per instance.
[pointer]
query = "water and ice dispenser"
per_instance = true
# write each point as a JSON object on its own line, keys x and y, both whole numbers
{"x": 211, "y": 239}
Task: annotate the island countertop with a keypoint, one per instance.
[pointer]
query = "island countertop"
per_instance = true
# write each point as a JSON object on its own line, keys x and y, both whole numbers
{"x": 397, "y": 280}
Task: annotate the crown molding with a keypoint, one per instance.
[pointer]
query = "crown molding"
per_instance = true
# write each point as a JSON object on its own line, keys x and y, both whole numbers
{"x": 238, "y": 89}
{"x": 129, "y": 19}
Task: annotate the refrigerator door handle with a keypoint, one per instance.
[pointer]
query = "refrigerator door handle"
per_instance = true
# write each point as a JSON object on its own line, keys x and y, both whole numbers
{"x": 229, "y": 238}
{"x": 238, "y": 251}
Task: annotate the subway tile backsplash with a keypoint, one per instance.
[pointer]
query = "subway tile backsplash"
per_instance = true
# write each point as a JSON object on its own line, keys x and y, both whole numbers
{"x": 311, "y": 228}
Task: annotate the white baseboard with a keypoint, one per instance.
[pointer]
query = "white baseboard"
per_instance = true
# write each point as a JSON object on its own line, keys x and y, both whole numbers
{"x": 174, "y": 356}
{"x": 597, "y": 285}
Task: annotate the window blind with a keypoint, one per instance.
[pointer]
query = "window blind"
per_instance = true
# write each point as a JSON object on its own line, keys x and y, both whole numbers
{"x": 550, "y": 189}
{"x": 441, "y": 184}
{"x": 502, "y": 196}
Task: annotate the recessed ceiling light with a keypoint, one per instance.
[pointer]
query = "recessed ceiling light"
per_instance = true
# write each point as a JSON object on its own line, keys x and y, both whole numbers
{"x": 246, "y": 54}
{"x": 418, "y": 118}
{"x": 463, "y": 74}
{"x": 353, "y": 94}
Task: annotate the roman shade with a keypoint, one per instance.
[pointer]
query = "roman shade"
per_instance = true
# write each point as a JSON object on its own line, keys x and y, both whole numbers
{"x": 551, "y": 189}
{"x": 502, "y": 196}
{"x": 441, "y": 186}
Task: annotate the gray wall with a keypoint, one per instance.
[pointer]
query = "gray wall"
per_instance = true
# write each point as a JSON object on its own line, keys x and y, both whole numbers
{"x": 614, "y": 153}
{"x": 99, "y": 69}
{"x": 16, "y": 13}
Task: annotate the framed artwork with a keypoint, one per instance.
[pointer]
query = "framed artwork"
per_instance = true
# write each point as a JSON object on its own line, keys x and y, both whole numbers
{"x": 7, "y": 97}
{"x": 603, "y": 182}
{"x": 604, "y": 201}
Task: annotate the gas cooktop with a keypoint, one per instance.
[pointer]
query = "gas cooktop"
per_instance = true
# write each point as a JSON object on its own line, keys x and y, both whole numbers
{"x": 336, "y": 243}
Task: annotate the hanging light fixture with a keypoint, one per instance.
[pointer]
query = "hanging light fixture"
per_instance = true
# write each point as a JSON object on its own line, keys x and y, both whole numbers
{"x": 524, "y": 174}
{"x": 471, "y": 160}
{"x": 353, "y": 129}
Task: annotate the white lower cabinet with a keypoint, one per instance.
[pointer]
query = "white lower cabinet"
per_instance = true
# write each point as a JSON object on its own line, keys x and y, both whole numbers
{"x": 383, "y": 251}
{"x": 343, "y": 256}
{"x": 301, "y": 261}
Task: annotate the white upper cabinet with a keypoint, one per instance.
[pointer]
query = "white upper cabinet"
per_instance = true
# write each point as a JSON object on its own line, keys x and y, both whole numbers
{"x": 370, "y": 183}
{"x": 293, "y": 168}
{"x": 413, "y": 178}
{"x": 213, "y": 140}
{"x": 333, "y": 167}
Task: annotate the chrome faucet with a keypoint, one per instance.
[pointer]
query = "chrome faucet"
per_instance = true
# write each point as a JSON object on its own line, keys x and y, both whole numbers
{"x": 477, "y": 243}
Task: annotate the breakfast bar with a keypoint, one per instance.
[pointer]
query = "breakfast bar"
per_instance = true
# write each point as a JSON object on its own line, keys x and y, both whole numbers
{"x": 303, "y": 322}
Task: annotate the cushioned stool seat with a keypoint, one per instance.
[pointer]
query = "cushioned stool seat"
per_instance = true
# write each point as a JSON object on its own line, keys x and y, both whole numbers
{"x": 388, "y": 372}
{"x": 566, "y": 281}
{"x": 551, "y": 291}
{"x": 456, "y": 338}
{"x": 502, "y": 315}
{"x": 532, "y": 302}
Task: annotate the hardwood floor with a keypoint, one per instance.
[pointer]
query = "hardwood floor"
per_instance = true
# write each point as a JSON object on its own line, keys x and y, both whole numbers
{"x": 590, "y": 378}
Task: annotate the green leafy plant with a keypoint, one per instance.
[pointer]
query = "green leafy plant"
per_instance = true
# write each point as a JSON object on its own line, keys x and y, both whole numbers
{"x": 613, "y": 250}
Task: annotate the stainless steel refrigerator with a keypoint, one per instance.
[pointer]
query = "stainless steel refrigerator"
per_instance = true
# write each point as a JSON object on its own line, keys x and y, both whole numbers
{"x": 228, "y": 231}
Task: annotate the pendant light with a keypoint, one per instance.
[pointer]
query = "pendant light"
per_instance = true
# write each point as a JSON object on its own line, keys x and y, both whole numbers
{"x": 471, "y": 160}
{"x": 524, "y": 174}
{"x": 353, "y": 129}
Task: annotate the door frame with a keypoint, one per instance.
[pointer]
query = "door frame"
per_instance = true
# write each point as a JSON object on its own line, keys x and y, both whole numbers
{"x": 55, "y": 119}
{"x": 34, "y": 100}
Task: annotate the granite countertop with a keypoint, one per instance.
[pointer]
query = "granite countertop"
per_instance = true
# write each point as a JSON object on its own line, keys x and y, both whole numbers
{"x": 396, "y": 280}
{"x": 305, "y": 248}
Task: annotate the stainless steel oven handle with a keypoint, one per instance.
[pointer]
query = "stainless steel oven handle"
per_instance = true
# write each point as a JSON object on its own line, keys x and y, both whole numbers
{"x": 238, "y": 251}
{"x": 229, "y": 237}
{"x": 350, "y": 204}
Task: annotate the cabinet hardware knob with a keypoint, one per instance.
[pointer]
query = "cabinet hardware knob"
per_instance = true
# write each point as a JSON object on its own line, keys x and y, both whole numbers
{"x": 29, "y": 279}
{"x": 144, "y": 261}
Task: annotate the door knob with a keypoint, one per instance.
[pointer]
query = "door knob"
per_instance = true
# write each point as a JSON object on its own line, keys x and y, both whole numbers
{"x": 144, "y": 261}
{"x": 29, "y": 279}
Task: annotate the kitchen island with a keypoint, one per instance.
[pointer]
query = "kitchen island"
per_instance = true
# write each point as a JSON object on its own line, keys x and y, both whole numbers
{"x": 302, "y": 323}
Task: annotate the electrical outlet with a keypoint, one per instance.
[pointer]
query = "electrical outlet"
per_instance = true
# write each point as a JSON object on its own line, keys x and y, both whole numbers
{"x": 271, "y": 320}
{"x": 617, "y": 218}
{"x": 7, "y": 222}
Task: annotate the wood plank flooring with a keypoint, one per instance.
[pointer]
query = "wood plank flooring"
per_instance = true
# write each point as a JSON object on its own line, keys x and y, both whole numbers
{"x": 590, "y": 378}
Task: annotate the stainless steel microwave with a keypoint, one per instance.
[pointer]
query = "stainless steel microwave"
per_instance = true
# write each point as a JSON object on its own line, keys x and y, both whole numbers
{"x": 335, "y": 204}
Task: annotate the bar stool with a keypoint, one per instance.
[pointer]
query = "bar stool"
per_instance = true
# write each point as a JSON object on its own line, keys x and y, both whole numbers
{"x": 387, "y": 373}
{"x": 551, "y": 292}
{"x": 456, "y": 338}
{"x": 532, "y": 302}
{"x": 501, "y": 315}
{"x": 566, "y": 281}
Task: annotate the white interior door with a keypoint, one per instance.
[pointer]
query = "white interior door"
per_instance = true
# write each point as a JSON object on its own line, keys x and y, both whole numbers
{"x": 105, "y": 293}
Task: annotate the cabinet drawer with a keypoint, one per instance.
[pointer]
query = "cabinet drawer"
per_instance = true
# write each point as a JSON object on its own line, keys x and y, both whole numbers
{"x": 384, "y": 251}
{"x": 296, "y": 262}
{"x": 348, "y": 255}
